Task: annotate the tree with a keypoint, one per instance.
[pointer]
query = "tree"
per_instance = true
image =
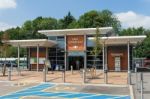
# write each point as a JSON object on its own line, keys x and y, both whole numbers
{"x": 97, "y": 46}
{"x": 132, "y": 31}
{"x": 67, "y": 22}
{"x": 4, "y": 48}
{"x": 104, "y": 18}
{"x": 143, "y": 49}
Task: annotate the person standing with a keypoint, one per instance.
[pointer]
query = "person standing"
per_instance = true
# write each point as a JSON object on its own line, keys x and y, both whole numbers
{"x": 77, "y": 64}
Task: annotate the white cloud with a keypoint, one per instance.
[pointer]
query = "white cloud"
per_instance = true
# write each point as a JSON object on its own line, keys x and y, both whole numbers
{"x": 5, "y": 26}
{"x": 5, "y": 4}
{"x": 132, "y": 19}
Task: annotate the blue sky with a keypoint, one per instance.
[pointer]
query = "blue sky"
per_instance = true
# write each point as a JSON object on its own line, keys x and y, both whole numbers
{"x": 130, "y": 12}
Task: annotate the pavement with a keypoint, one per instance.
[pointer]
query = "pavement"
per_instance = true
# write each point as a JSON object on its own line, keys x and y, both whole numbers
{"x": 30, "y": 85}
{"x": 116, "y": 78}
{"x": 146, "y": 84}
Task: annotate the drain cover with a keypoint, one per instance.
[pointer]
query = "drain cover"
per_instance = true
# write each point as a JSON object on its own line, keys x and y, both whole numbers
{"x": 19, "y": 84}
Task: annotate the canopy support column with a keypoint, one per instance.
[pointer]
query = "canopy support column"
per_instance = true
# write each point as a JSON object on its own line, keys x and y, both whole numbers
{"x": 65, "y": 52}
{"x": 46, "y": 52}
{"x": 37, "y": 57}
{"x": 85, "y": 56}
{"x": 85, "y": 59}
{"x": 29, "y": 66}
{"x": 106, "y": 67}
{"x": 103, "y": 57}
{"x": 18, "y": 60}
{"x": 129, "y": 78}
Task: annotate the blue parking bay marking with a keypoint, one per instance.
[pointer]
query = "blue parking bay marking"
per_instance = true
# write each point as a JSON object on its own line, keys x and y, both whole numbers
{"x": 100, "y": 97}
{"x": 106, "y": 97}
{"x": 123, "y": 97}
{"x": 38, "y": 91}
{"x": 53, "y": 94}
{"x": 77, "y": 95}
{"x": 28, "y": 91}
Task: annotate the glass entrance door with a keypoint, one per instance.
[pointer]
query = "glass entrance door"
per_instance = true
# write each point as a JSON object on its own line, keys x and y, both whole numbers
{"x": 77, "y": 62}
{"x": 117, "y": 63}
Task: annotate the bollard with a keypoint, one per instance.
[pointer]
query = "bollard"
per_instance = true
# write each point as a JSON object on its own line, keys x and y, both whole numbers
{"x": 71, "y": 69}
{"x": 19, "y": 72}
{"x": 46, "y": 70}
{"x": 129, "y": 77}
{"x": 9, "y": 74}
{"x": 105, "y": 76}
{"x": 141, "y": 80}
{"x": 44, "y": 75}
{"x": 63, "y": 76}
{"x": 83, "y": 76}
{"x": 136, "y": 74}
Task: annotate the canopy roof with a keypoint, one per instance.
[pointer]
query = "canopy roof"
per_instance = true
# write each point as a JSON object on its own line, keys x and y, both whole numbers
{"x": 81, "y": 31}
{"x": 117, "y": 40}
{"x": 31, "y": 43}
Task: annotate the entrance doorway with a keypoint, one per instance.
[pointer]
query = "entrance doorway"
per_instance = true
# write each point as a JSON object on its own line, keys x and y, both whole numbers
{"x": 76, "y": 61}
{"x": 117, "y": 63}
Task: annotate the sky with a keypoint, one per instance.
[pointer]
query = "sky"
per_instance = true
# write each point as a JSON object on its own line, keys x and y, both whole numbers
{"x": 131, "y": 13}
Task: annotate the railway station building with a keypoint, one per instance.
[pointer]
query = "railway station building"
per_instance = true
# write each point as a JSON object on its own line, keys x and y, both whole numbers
{"x": 69, "y": 47}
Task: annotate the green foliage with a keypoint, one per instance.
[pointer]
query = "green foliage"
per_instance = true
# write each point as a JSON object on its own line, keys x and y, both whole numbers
{"x": 97, "y": 45}
{"x": 95, "y": 19}
{"x": 132, "y": 31}
{"x": 67, "y": 22}
{"x": 143, "y": 49}
{"x": 90, "y": 19}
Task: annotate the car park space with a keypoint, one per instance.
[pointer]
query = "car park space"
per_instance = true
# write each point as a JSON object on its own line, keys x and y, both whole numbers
{"x": 44, "y": 90}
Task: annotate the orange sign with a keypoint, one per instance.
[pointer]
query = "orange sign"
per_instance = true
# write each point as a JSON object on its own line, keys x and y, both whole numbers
{"x": 75, "y": 43}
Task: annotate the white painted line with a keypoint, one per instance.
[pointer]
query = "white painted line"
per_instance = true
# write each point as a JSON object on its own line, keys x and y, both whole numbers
{"x": 91, "y": 96}
{"x": 116, "y": 97}
{"x": 131, "y": 92}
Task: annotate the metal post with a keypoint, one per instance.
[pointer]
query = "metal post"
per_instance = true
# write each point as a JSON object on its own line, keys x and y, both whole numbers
{"x": 105, "y": 65}
{"x": 141, "y": 80}
{"x": 19, "y": 60}
{"x": 106, "y": 58}
{"x": 83, "y": 76}
{"x": 63, "y": 76}
{"x": 65, "y": 60}
{"x": 44, "y": 75}
{"x": 37, "y": 58}
{"x": 103, "y": 57}
{"x": 129, "y": 76}
{"x": 9, "y": 74}
{"x": 85, "y": 58}
{"x": 105, "y": 76}
{"x": 136, "y": 78}
{"x": 46, "y": 59}
{"x": 29, "y": 66}
{"x": 11, "y": 66}
{"x": 71, "y": 69}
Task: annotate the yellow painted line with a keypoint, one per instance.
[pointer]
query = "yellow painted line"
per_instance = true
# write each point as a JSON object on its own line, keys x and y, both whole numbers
{"x": 49, "y": 88}
{"x": 22, "y": 97}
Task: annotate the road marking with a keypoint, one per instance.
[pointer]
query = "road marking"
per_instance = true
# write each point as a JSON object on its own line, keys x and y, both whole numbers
{"x": 40, "y": 90}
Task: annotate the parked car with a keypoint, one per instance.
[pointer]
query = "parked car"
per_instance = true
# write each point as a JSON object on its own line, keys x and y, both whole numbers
{"x": 9, "y": 63}
{"x": 147, "y": 63}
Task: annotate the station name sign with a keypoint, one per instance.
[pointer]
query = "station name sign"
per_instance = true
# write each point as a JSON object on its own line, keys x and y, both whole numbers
{"x": 75, "y": 43}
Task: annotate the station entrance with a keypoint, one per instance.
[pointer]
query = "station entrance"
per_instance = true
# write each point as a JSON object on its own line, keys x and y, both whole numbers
{"x": 77, "y": 62}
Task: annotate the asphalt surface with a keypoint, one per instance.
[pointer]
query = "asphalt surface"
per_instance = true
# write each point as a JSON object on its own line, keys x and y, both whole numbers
{"x": 146, "y": 84}
{"x": 12, "y": 90}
